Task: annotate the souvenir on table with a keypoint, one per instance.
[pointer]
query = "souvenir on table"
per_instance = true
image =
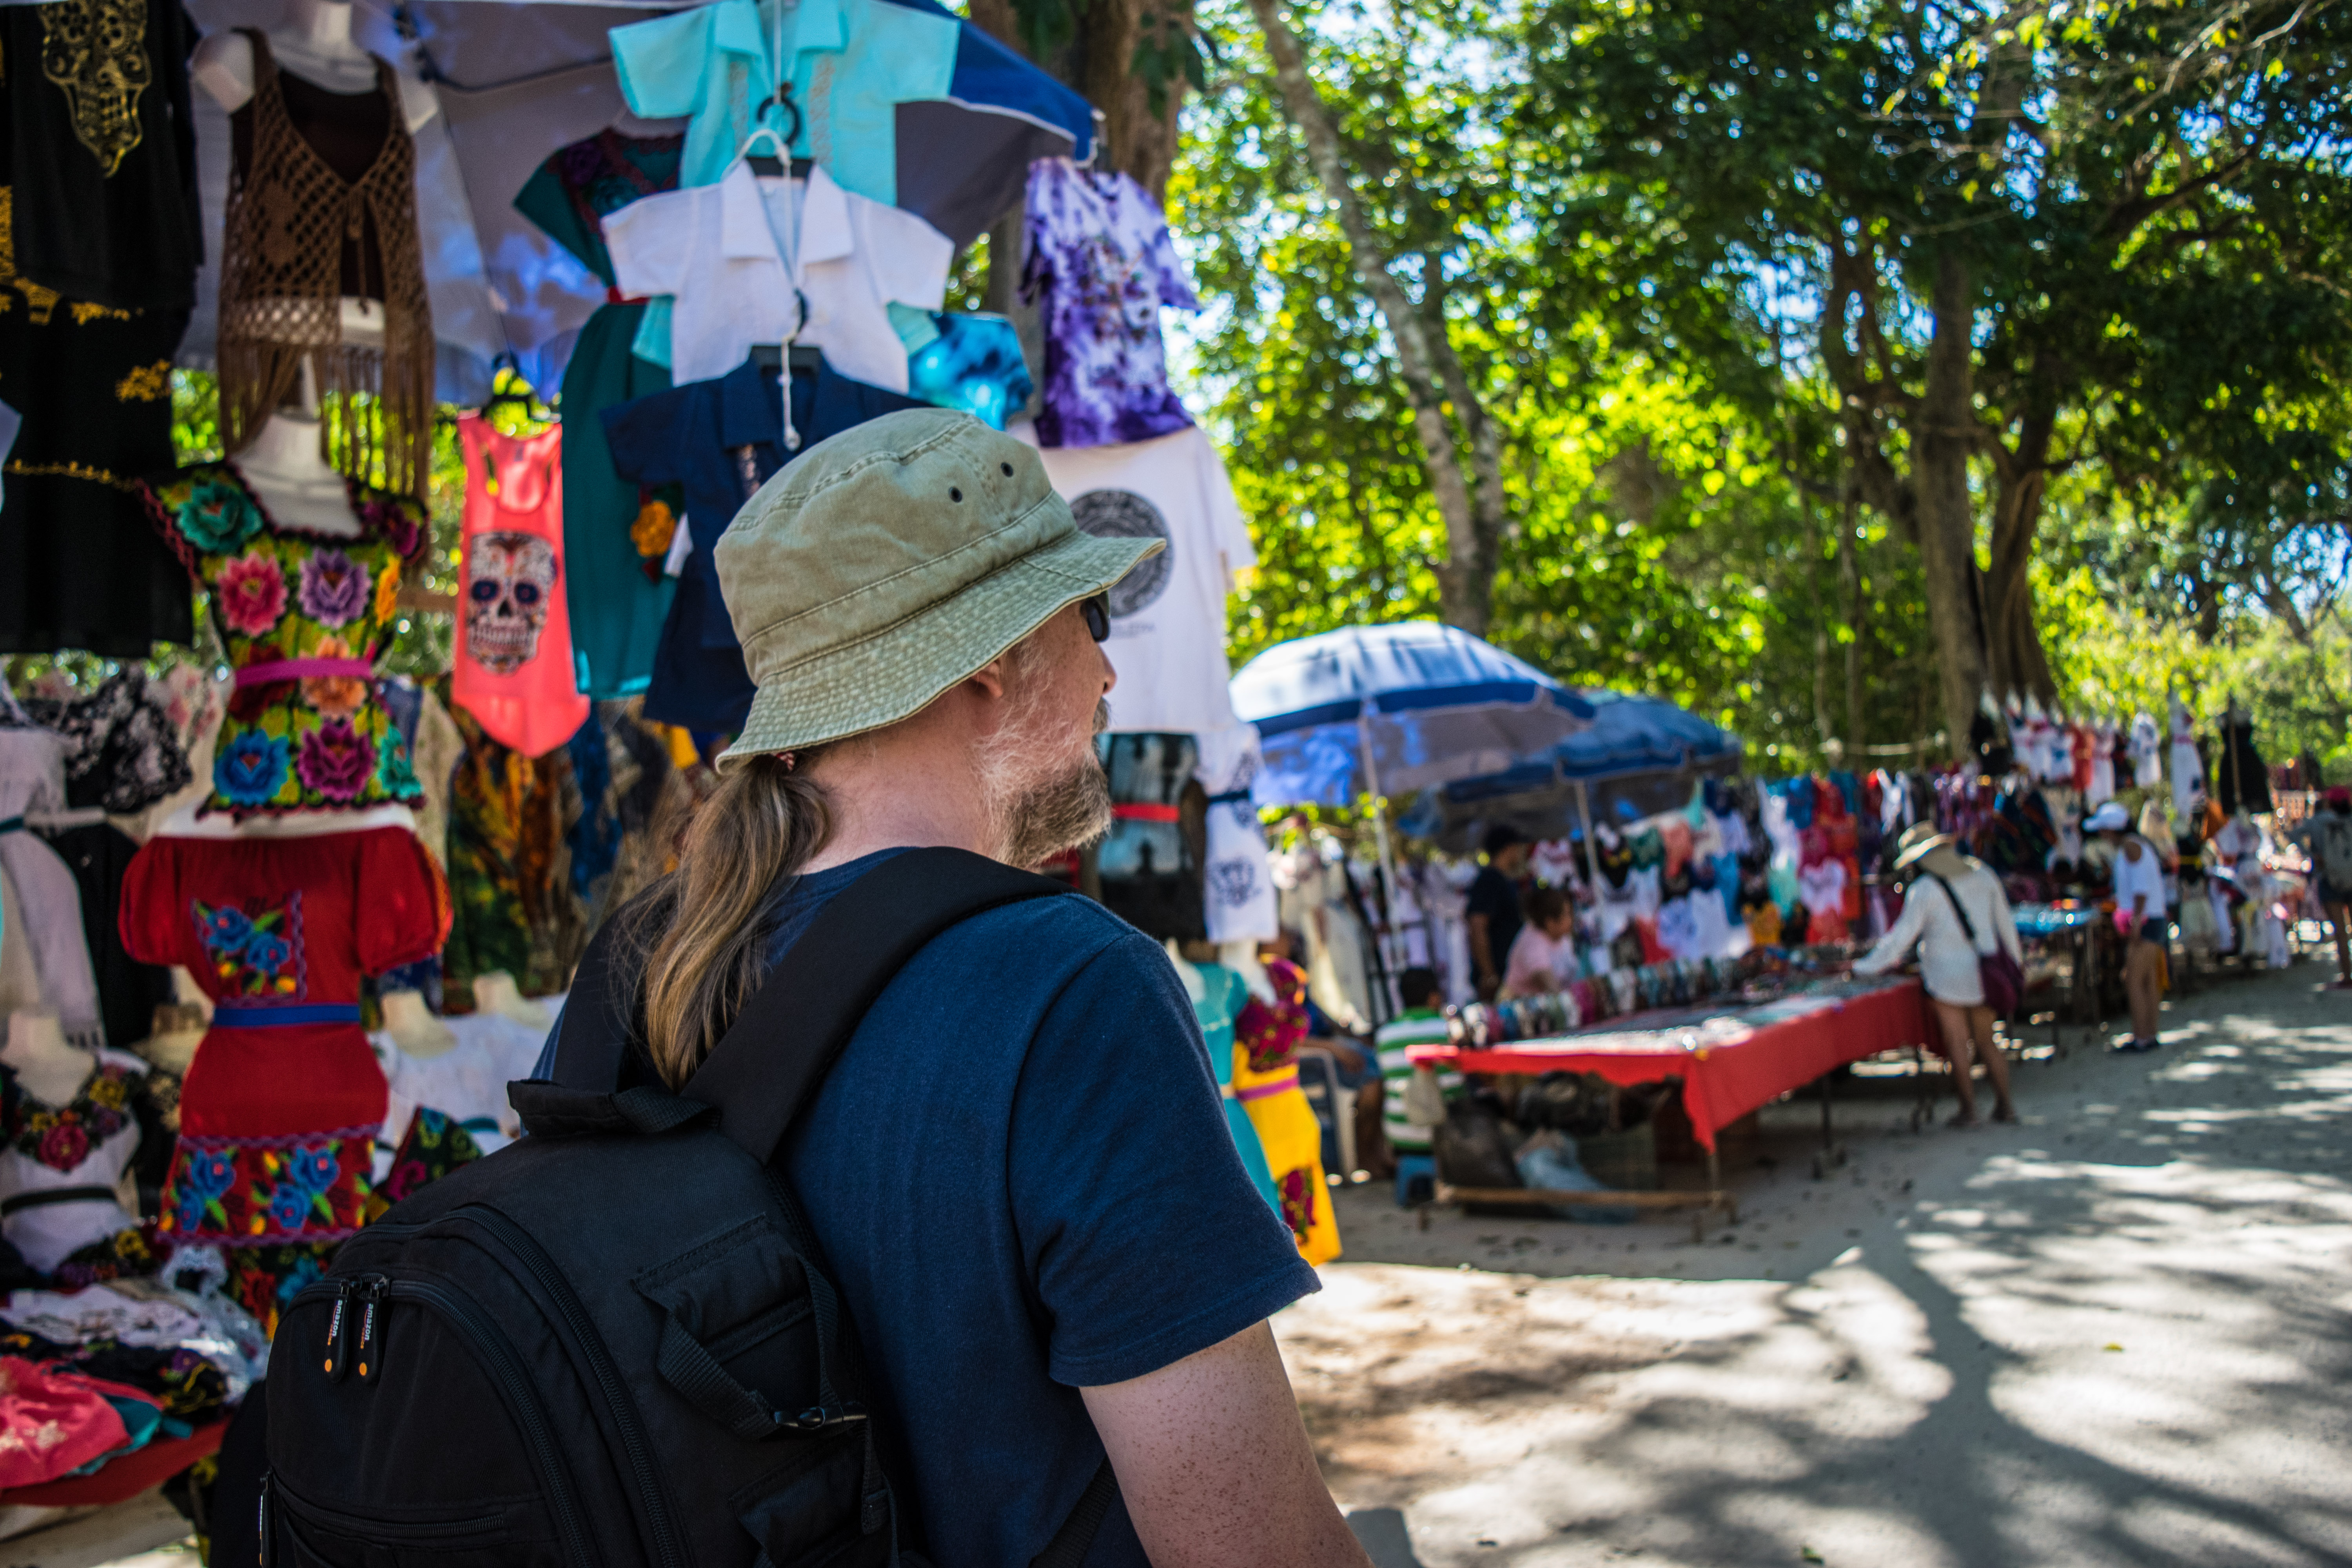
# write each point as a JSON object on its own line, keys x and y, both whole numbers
{"x": 1265, "y": 1081}
{"x": 304, "y": 617}
{"x": 617, "y": 604}
{"x": 514, "y": 668}
{"x": 280, "y": 1110}
{"x": 322, "y": 206}
{"x": 1097, "y": 258}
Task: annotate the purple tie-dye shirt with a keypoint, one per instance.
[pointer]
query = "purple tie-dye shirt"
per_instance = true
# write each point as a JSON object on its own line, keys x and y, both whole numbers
{"x": 1098, "y": 253}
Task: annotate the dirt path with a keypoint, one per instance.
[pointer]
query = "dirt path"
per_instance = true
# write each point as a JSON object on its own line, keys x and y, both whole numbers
{"x": 2117, "y": 1334}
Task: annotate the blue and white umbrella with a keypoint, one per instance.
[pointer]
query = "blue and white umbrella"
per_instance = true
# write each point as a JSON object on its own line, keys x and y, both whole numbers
{"x": 1372, "y": 709}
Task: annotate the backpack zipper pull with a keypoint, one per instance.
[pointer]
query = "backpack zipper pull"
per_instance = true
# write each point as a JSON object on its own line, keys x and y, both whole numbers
{"x": 339, "y": 1331}
{"x": 369, "y": 1304}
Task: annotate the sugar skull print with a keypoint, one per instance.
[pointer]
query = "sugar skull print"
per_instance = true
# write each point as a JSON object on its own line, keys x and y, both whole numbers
{"x": 508, "y": 580}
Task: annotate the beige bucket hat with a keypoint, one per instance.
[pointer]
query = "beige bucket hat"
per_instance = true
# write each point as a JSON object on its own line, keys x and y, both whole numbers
{"x": 1918, "y": 841}
{"x": 891, "y": 562}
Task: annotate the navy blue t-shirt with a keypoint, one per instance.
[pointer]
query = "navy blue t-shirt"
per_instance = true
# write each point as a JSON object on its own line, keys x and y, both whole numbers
{"x": 1021, "y": 1175}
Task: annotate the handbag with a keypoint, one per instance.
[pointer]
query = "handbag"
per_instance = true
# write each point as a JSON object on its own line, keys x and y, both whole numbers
{"x": 2002, "y": 977}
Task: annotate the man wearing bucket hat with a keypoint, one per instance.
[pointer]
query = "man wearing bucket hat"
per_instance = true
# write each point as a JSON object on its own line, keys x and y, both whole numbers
{"x": 1958, "y": 916}
{"x": 2140, "y": 915}
{"x": 1018, "y": 1168}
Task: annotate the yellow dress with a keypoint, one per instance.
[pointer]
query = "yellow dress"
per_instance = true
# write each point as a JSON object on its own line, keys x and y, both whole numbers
{"x": 1265, "y": 1081}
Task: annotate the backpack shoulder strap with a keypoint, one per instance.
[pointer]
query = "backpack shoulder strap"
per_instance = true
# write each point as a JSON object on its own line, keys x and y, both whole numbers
{"x": 788, "y": 1034}
{"x": 1967, "y": 927}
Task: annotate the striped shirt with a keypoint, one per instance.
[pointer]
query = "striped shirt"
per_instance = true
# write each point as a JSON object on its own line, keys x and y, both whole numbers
{"x": 1422, "y": 1026}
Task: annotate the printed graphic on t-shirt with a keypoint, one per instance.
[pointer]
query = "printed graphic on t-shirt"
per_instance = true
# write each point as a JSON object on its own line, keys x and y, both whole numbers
{"x": 1123, "y": 514}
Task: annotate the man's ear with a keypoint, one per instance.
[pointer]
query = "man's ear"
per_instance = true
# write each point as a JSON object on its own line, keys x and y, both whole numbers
{"x": 990, "y": 678}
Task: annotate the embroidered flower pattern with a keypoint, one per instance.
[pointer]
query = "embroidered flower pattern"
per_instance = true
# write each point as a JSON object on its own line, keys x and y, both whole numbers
{"x": 391, "y": 762}
{"x": 267, "y": 1194}
{"x": 254, "y": 955}
{"x": 217, "y": 515}
{"x": 251, "y": 594}
{"x": 287, "y": 597}
{"x": 336, "y": 764}
{"x": 251, "y": 768}
{"x": 334, "y": 588}
{"x": 334, "y": 696}
{"x": 62, "y": 1137}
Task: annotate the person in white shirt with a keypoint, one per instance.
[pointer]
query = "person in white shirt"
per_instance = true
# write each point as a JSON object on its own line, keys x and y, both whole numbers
{"x": 2140, "y": 914}
{"x": 1954, "y": 923}
{"x": 1543, "y": 955}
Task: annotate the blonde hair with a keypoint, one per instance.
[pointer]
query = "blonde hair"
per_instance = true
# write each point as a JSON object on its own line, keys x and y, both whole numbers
{"x": 699, "y": 935}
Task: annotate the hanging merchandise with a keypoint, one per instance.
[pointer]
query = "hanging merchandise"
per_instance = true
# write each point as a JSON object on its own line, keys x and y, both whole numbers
{"x": 279, "y": 1113}
{"x": 721, "y": 439}
{"x": 323, "y": 207}
{"x": 304, "y": 615}
{"x": 968, "y": 361}
{"x": 1221, "y": 994}
{"x": 514, "y": 668}
{"x": 1239, "y": 889}
{"x": 510, "y": 866}
{"x": 612, "y": 579}
{"x": 1265, "y": 1081}
{"x": 98, "y": 247}
{"x": 123, "y": 752}
{"x": 760, "y": 260}
{"x": 2147, "y": 748}
{"x": 100, "y": 855}
{"x": 1097, "y": 256}
{"x": 2241, "y": 780}
{"x": 1168, "y": 615}
{"x": 71, "y": 1151}
{"x": 2188, "y": 768}
{"x": 43, "y": 961}
{"x": 1150, "y": 862}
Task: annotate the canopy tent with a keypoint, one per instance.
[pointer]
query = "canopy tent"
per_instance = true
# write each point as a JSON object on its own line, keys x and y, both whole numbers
{"x": 1395, "y": 708}
{"x": 518, "y": 80}
{"x": 1641, "y": 756}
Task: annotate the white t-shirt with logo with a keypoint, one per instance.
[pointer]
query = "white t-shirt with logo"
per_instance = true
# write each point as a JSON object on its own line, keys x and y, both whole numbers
{"x": 1168, "y": 618}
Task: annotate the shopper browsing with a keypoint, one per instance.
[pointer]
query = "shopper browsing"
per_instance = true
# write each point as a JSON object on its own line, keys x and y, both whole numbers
{"x": 1494, "y": 906}
{"x": 1543, "y": 955}
{"x": 2140, "y": 915}
{"x": 2326, "y": 838}
{"x": 1956, "y": 914}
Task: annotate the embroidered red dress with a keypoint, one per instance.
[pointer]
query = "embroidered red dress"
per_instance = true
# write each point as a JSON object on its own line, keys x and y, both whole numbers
{"x": 279, "y": 1111}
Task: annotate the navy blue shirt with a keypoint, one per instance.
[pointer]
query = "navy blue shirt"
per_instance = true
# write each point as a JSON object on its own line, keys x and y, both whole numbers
{"x": 1021, "y": 1175}
{"x": 721, "y": 439}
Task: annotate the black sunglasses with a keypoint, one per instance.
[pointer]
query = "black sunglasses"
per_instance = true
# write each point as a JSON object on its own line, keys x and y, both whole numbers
{"x": 1097, "y": 611}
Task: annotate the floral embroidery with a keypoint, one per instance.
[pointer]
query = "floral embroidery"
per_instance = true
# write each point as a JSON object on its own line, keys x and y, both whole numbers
{"x": 251, "y": 593}
{"x": 145, "y": 384}
{"x": 1297, "y": 1191}
{"x": 219, "y": 516}
{"x": 336, "y": 762}
{"x": 268, "y": 1192}
{"x": 434, "y": 1147}
{"x": 62, "y": 1138}
{"x": 284, "y": 595}
{"x": 334, "y": 589}
{"x": 334, "y": 696}
{"x": 255, "y": 955}
{"x": 250, "y": 769}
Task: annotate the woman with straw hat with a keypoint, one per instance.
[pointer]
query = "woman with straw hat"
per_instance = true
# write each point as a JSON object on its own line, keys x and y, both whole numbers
{"x": 1964, "y": 919}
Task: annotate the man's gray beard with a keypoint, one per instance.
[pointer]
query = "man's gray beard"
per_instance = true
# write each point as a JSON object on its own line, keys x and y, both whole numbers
{"x": 1062, "y": 814}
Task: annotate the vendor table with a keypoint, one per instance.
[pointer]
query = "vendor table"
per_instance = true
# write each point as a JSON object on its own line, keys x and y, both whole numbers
{"x": 2073, "y": 927}
{"x": 1731, "y": 1061}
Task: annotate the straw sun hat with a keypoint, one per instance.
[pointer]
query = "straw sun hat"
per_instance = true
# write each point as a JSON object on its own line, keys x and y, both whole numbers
{"x": 891, "y": 562}
{"x": 1918, "y": 841}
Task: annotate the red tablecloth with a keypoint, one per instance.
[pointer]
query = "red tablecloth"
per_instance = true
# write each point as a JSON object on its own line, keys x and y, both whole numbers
{"x": 1729, "y": 1062}
{"x": 118, "y": 1480}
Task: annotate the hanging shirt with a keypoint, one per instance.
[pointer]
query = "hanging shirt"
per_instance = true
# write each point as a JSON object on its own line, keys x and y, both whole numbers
{"x": 752, "y": 260}
{"x": 86, "y": 1143}
{"x": 1098, "y": 258}
{"x": 514, "y": 668}
{"x": 1239, "y": 890}
{"x": 849, "y": 64}
{"x": 721, "y": 439}
{"x": 43, "y": 961}
{"x": 1168, "y": 615}
{"x": 968, "y": 360}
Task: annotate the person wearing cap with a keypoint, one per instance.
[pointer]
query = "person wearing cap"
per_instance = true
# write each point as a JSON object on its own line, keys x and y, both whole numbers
{"x": 2326, "y": 837}
{"x": 1493, "y": 906}
{"x": 2140, "y": 915}
{"x": 1019, "y": 1168}
{"x": 1966, "y": 899}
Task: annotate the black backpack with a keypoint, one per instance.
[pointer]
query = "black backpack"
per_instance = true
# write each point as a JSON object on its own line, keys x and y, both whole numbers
{"x": 614, "y": 1341}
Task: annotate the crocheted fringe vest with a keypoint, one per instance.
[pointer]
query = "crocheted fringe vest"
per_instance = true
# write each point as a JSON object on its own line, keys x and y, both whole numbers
{"x": 289, "y": 216}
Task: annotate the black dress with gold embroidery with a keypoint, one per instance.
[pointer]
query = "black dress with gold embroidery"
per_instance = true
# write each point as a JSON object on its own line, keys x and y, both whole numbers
{"x": 99, "y": 244}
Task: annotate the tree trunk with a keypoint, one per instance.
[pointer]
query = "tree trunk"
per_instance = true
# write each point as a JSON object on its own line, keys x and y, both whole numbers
{"x": 2012, "y": 642}
{"x": 1465, "y": 579}
{"x": 1943, "y": 435}
{"x": 1849, "y": 569}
